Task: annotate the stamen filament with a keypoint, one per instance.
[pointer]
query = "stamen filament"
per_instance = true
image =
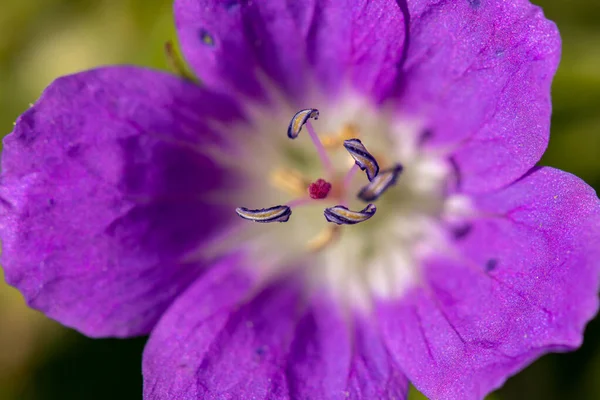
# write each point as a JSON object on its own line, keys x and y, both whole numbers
{"x": 320, "y": 149}
{"x": 349, "y": 176}
{"x": 347, "y": 182}
{"x": 300, "y": 201}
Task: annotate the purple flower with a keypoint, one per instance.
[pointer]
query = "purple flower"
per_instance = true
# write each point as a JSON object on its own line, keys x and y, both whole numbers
{"x": 119, "y": 189}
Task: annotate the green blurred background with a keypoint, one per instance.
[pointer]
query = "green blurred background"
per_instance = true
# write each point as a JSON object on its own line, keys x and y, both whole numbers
{"x": 43, "y": 39}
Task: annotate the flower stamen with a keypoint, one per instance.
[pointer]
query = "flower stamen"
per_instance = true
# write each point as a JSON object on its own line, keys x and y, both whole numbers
{"x": 320, "y": 149}
{"x": 300, "y": 119}
{"x": 265, "y": 215}
{"x": 297, "y": 185}
{"x": 382, "y": 182}
{"x": 362, "y": 157}
{"x": 341, "y": 215}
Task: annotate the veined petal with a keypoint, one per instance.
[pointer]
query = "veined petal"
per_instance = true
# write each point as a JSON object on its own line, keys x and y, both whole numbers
{"x": 521, "y": 283}
{"x": 294, "y": 43}
{"x": 101, "y": 189}
{"x": 186, "y": 332}
{"x": 374, "y": 373}
{"x": 278, "y": 343}
{"x": 478, "y": 73}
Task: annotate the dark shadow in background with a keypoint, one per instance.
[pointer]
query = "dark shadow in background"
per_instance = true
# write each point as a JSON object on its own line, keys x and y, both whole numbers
{"x": 558, "y": 376}
{"x": 88, "y": 369}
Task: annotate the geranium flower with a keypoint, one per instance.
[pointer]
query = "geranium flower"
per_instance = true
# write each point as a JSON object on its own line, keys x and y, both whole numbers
{"x": 451, "y": 262}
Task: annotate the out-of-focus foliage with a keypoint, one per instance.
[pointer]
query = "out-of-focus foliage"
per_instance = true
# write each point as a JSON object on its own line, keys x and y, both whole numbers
{"x": 41, "y": 40}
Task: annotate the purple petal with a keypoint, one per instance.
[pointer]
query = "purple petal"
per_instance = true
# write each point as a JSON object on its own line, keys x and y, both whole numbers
{"x": 277, "y": 344}
{"x": 100, "y": 190}
{"x": 523, "y": 283}
{"x": 292, "y": 43}
{"x": 186, "y": 332}
{"x": 479, "y": 74}
{"x": 333, "y": 357}
{"x": 374, "y": 373}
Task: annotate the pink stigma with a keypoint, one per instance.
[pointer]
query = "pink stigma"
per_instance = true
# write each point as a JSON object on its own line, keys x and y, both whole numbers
{"x": 319, "y": 189}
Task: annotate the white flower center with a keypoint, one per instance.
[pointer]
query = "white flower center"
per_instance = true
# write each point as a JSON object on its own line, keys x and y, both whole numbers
{"x": 378, "y": 258}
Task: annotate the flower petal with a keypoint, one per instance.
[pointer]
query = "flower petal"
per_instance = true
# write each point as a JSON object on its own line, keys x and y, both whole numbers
{"x": 479, "y": 73}
{"x": 374, "y": 373}
{"x": 186, "y": 332}
{"x": 352, "y": 41}
{"x": 277, "y": 344}
{"x": 101, "y": 196}
{"x": 523, "y": 283}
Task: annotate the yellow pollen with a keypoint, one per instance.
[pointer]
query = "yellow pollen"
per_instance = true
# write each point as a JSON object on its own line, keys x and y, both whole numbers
{"x": 326, "y": 237}
{"x": 348, "y": 131}
{"x": 289, "y": 181}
